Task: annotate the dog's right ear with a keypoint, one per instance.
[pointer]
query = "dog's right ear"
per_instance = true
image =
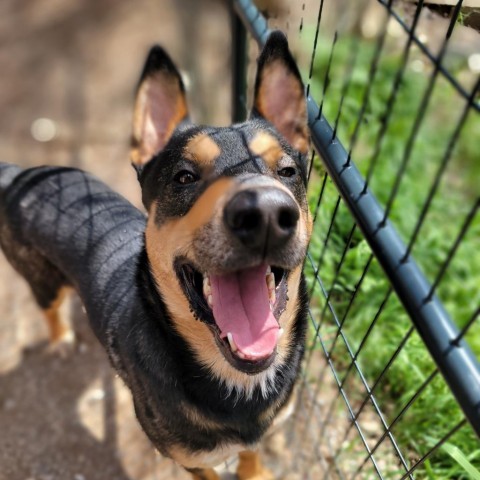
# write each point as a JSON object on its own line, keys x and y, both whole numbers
{"x": 160, "y": 105}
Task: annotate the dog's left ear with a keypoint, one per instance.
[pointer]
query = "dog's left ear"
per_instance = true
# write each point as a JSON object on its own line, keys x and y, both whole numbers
{"x": 160, "y": 106}
{"x": 279, "y": 94}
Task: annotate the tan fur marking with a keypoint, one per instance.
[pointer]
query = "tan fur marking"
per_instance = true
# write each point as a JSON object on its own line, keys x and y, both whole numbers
{"x": 196, "y": 417}
{"x": 148, "y": 137}
{"x": 175, "y": 238}
{"x": 202, "y": 149}
{"x": 59, "y": 330}
{"x": 204, "y": 460}
{"x": 205, "y": 207}
{"x": 307, "y": 217}
{"x": 288, "y": 316}
{"x": 206, "y": 474}
{"x": 266, "y": 146}
{"x": 250, "y": 467}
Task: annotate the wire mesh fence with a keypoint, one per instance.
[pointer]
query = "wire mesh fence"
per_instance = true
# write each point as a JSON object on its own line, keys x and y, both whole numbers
{"x": 391, "y": 384}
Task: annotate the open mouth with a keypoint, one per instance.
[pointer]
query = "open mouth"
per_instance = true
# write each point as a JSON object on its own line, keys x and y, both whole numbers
{"x": 241, "y": 308}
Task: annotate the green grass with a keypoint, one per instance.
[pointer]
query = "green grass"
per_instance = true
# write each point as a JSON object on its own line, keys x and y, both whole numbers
{"x": 435, "y": 412}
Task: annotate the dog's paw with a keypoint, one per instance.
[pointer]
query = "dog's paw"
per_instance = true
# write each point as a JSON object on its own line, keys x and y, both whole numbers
{"x": 262, "y": 474}
{"x": 250, "y": 467}
{"x": 62, "y": 346}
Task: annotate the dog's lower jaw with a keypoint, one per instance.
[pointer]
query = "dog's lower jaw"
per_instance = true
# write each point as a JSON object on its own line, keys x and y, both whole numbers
{"x": 240, "y": 384}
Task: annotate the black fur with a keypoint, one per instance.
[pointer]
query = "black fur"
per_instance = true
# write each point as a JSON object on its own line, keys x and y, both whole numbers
{"x": 95, "y": 238}
{"x": 61, "y": 226}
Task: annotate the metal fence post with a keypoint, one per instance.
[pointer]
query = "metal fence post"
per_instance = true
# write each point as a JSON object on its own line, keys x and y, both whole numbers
{"x": 239, "y": 68}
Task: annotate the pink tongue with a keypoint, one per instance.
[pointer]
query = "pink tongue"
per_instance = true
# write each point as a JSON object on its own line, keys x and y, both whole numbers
{"x": 241, "y": 307}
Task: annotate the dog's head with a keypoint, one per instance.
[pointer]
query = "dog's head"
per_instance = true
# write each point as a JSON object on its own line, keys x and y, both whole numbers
{"x": 228, "y": 220}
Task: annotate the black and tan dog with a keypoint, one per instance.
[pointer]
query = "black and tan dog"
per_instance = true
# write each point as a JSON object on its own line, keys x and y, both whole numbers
{"x": 201, "y": 307}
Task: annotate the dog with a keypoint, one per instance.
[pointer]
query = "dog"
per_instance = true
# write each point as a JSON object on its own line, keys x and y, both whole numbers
{"x": 201, "y": 304}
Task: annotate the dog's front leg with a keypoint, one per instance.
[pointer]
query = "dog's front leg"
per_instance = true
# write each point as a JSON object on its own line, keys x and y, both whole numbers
{"x": 250, "y": 467}
{"x": 203, "y": 474}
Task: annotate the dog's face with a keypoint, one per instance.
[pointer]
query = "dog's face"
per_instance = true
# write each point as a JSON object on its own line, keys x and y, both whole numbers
{"x": 228, "y": 220}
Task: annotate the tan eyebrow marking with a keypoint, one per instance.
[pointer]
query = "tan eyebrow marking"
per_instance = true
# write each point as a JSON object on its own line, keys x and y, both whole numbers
{"x": 266, "y": 146}
{"x": 202, "y": 149}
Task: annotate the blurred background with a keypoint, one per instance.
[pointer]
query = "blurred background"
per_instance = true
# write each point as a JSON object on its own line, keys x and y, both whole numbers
{"x": 68, "y": 75}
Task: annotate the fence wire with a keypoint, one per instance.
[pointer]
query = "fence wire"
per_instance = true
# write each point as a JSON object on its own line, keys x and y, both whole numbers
{"x": 391, "y": 382}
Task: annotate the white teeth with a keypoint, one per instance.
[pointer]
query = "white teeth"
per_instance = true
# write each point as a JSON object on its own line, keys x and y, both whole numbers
{"x": 279, "y": 334}
{"x": 240, "y": 354}
{"x": 207, "y": 290}
{"x": 232, "y": 343}
{"x": 206, "y": 284}
{"x": 269, "y": 270}
{"x": 272, "y": 297}
{"x": 270, "y": 279}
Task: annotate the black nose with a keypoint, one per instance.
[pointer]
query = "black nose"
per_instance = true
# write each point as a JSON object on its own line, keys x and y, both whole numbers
{"x": 264, "y": 218}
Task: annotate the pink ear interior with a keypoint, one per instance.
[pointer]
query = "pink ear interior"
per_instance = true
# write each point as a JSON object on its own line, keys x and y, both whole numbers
{"x": 280, "y": 100}
{"x": 160, "y": 106}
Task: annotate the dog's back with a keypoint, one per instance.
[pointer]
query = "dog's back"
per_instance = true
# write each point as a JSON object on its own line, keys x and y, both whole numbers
{"x": 61, "y": 227}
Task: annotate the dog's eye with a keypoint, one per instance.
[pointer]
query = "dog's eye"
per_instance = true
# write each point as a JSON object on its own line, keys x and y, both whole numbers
{"x": 185, "y": 177}
{"x": 287, "y": 172}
